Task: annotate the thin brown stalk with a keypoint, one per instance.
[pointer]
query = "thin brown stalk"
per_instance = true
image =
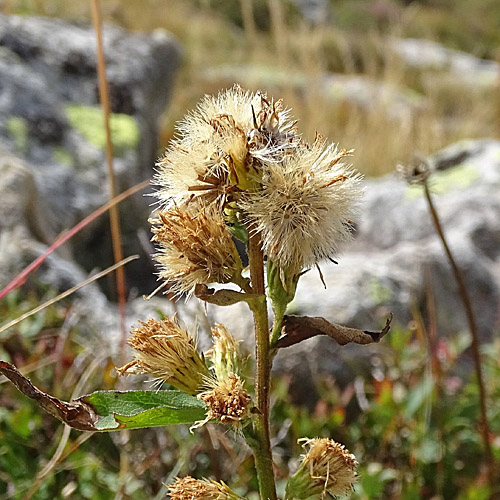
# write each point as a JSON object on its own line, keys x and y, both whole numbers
{"x": 113, "y": 212}
{"x": 475, "y": 344}
{"x": 262, "y": 450}
{"x": 278, "y": 28}
{"x": 249, "y": 27}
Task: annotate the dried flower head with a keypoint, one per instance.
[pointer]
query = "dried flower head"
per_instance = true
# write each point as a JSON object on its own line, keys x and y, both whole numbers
{"x": 167, "y": 352}
{"x": 221, "y": 146}
{"x": 194, "y": 247}
{"x": 224, "y": 353}
{"x": 305, "y": 208}
{"x": 327, "y": 467}
{"x": 188, "y": 488}
{"x": 227, "y": 401}
{"x": 417, "y": 171}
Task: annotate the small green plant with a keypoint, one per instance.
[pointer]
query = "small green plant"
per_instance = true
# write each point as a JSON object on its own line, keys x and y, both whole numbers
{"x": 238, "y": 170}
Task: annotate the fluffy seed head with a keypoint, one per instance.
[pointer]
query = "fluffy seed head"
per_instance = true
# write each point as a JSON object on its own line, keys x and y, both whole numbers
{"x": 221, "y": 146}
{"x": 167, "y": 352}
{"x": 194, "y": 246}
{"x": 305, "y": 208}
{"x": 327, "y": 467}
{"x": 188, "y": 488}
{"x": 417, "y": 171}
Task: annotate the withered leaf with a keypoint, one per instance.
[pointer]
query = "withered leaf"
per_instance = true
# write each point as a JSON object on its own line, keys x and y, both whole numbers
{"x": 295, "y": 329}
{"x": 77, "y": 414}
{"x": 222, "y": 297}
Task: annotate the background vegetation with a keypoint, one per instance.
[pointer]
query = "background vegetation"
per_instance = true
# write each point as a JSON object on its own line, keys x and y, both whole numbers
{"x": 411, "y": 422}
{"x": 286, "y": 56}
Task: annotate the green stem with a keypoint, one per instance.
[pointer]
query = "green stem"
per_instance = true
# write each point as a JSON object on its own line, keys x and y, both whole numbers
{"x": 262, "y": 445}
{"x": 279, "y": 312}
{"x": 282, "y": 286}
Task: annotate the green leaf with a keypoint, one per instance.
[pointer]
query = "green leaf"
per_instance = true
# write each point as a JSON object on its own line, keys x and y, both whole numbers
{"x": 136, "y": 409}
{"x": 112, "y": 410}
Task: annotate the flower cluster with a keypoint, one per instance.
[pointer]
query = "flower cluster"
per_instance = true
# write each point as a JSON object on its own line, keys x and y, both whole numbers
{"x": 238, "y": 170}
{"x": 305, "y": 207}
{"x": 168, "y": 352}
{"x": 238, "y": 166}
{"x": 194, "y": 246}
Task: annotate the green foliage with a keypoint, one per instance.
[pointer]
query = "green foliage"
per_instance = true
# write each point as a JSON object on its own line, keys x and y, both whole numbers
{"x": 416, "y": 438}
{"x": 29, "y": 437}
{"x": 137, "y": 409}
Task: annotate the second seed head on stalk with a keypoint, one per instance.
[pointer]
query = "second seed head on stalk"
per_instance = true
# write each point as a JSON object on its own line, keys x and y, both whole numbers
{"x": 194, "y": 246}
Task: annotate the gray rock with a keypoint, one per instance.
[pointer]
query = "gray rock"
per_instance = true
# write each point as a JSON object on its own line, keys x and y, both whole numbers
{"x": 50, "y": 117}
{"x": 462, "y": 67}
{"x": 396, "y": 258}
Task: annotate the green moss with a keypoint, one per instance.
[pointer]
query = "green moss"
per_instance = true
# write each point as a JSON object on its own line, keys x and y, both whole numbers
{"x": 379, "y": 293}
{"x": 18, "y": 130}
{"x": 63, "y": 156}
{"x": 444, "y": 181}
{"x": 89, "y": 122}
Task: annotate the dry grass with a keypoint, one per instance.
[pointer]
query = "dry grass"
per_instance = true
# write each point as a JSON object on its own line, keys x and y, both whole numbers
{"x": 290, "y": 60}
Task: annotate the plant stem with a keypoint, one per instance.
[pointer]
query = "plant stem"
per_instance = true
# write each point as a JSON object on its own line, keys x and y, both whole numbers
{"x": 113, "y": 210}
{"x": 262, "y": 446}
{"x": 279, "y": 312}
{"x": 485, "y": 430}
